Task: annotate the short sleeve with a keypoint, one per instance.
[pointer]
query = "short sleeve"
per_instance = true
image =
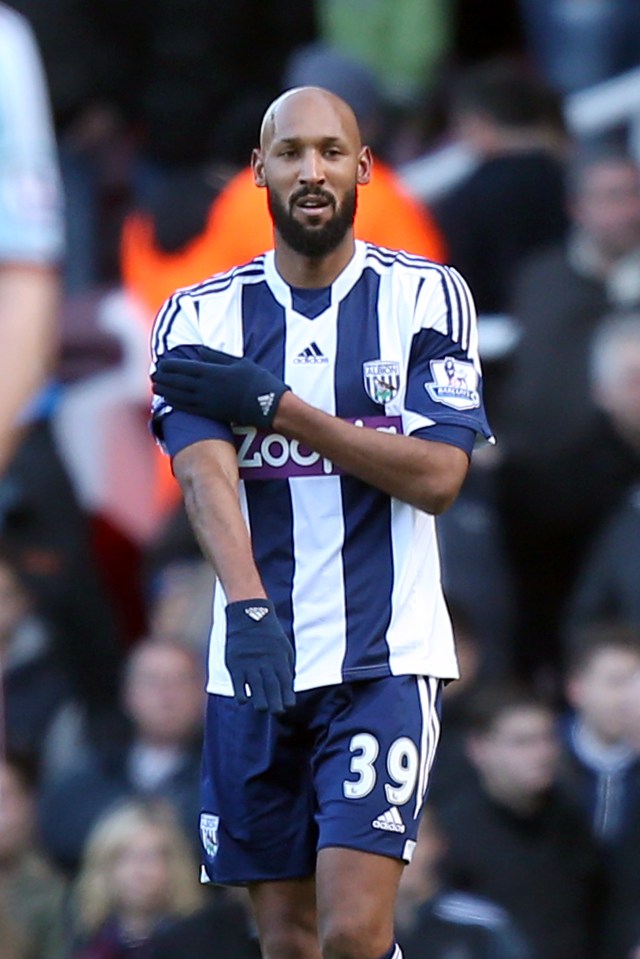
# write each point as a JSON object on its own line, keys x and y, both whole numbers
{"x": 176, "y": 333}
{"x": 444, "y": 376}
{"x": 31, "y": 214}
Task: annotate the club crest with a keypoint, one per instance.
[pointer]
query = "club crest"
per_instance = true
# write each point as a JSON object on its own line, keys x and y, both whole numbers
{"x": 209, "y": 832}
{"x": 381, "y": 380}
{"x": 454, "y": 384}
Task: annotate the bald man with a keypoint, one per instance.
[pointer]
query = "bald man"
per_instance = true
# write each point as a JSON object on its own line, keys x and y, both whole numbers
{"x": 308, "y": 404}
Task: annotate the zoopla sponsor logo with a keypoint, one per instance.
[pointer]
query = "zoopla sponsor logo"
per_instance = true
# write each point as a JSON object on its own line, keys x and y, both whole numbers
{"x": 272, "y": 456}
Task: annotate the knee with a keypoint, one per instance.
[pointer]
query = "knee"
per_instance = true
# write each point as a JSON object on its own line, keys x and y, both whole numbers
{"x": 351, "y": 938}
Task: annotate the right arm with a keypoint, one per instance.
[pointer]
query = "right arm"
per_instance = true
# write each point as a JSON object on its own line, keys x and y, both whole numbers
{"x": 258, "y": 654}
{"x": 208, "y": 475}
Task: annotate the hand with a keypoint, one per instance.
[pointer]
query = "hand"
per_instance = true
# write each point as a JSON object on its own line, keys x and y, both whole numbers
{"x": 222, "y": 387}
{"x": 259, "y": 655}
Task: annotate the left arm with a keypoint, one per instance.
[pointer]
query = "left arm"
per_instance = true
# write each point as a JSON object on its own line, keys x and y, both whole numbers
{"x": 426, "y": 474}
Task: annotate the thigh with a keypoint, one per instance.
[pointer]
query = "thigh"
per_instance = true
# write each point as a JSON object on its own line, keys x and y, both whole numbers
{"x": 371, "y": 765}
{"x": 257, "y": 820}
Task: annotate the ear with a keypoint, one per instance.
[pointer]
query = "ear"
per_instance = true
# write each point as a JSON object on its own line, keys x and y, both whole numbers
{"x": 365, "y": 165}
{"x": 257, "y": 165}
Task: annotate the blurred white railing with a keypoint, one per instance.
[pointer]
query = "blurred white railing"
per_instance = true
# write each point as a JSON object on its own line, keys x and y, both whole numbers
{"x": 614, "y": 103}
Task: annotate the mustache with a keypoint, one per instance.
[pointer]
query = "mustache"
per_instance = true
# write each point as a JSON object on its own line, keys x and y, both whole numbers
{"x": 305, "y": 192}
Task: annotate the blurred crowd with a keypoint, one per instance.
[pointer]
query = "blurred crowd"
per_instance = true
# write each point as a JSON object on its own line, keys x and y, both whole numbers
{"x": 530, "y": 846}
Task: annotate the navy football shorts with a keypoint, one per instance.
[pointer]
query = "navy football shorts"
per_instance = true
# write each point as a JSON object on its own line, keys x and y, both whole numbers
{"x": 348, "y": 766}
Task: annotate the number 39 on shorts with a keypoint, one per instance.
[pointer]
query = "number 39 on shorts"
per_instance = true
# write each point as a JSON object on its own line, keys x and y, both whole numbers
{"x": 400, "y": 768}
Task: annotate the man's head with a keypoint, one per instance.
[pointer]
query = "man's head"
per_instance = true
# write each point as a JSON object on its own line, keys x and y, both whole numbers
{"x": 604, "y": 661}
{"x": 513, "y": 745}
{"x": 497, "y": 107}
{"x": 311, "y": 161}
{"x": 163, "y": 692}
{"x": 604, "y": 198}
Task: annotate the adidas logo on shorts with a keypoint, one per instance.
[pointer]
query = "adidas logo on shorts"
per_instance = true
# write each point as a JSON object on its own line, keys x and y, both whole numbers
{"x": 390, "y": 821}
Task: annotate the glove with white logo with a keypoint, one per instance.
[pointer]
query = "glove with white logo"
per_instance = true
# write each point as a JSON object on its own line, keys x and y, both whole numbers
{"x": 259, "y": 655}
{"x": 231, "y": 389}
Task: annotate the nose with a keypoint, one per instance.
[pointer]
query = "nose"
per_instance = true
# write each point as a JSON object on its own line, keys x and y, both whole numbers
{"x": 311, "y": 169}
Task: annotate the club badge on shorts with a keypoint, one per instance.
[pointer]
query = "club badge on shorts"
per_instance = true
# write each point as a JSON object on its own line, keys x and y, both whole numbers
{"x": 209, "y": 832}
{"x": 381, "y": 380}
{"x": 454, "y": 384}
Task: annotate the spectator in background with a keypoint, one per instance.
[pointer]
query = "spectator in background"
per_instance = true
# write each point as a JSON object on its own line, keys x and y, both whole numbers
{"x": 32, "y": 895}
{"x": 138, "y": 875}
{"x": 579, "y": 43}
{"x": 35, "y": 687}
{"x": 513, "y": 202}
{"x": 607, "y": 585}
{"x": 513, "y": 838}
{"x": 90, "y": 69}
{"x": 436, "y": 921}
{"x": 601, "y": 770}
{"x": 51, "y": 541}
{"x": 510, "y": 205}
{"x": 153, "y": 751}
{"x": 623, "y": 921}
{"x": 563, "y": 469}
{"x": 31, "y": 231}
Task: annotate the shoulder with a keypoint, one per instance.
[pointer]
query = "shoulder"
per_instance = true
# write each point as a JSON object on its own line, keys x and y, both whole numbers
{"x": 235, "y": 278}
{"x": 408, "y": 268}
{"x": 383, "y": 259}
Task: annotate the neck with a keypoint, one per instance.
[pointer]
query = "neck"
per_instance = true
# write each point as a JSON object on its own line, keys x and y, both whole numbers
{"x": 522, "y": 804}
{"x": 310, "y": 271}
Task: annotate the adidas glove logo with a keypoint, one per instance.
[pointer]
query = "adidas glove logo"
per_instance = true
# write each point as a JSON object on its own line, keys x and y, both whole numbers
{"x": 266, "y": 402}
{"x": 256, "y": 612}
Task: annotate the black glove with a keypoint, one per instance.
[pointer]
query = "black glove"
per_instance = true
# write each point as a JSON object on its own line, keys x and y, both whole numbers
{"x": 222, "y": 387}
{"x": 259, "y": 655}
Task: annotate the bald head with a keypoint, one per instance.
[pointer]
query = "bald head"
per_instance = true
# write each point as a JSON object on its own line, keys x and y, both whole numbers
{"x": 315, "y": 103}
{"x": 311, "y": 162}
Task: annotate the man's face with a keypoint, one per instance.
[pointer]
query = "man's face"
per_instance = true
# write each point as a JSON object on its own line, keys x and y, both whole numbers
{"x": 163, "y": 694}
{"x": 518, "y": 758}
{"x": 602, "y": 692}
{"x": 608, "y": 207}
{"x": 310, "y": 162}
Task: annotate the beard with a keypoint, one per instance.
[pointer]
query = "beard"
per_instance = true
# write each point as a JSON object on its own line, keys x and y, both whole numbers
{"x": 309, "y": 241}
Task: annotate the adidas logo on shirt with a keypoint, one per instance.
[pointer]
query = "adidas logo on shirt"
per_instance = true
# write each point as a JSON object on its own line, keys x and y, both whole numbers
{"x": 390, "y": 821}
{"x": 257, "y": 612}
{"x": 311, "y": 354}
